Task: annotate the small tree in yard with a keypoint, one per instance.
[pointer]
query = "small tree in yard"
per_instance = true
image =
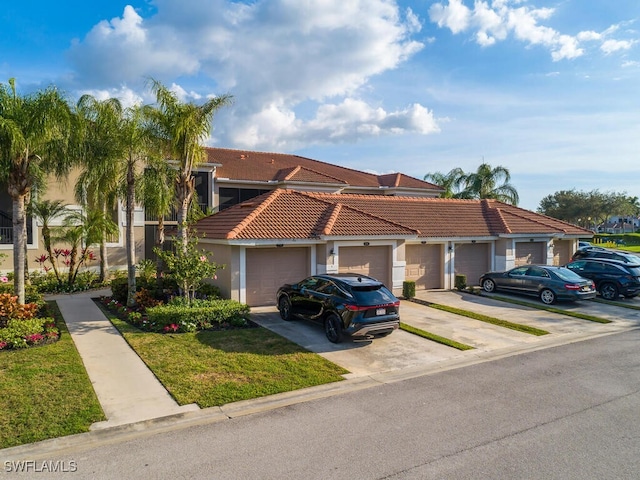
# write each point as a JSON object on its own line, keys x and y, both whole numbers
{"x": 189, "y": 267}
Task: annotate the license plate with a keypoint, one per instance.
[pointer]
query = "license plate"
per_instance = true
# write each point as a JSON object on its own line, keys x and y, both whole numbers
{"x": 381, "y": 311}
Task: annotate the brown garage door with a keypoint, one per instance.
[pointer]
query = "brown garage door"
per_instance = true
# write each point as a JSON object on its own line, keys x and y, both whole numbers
{"x": 269, "y": 268}
{"x": 472, "y": 260}
{"x": 424, "y": 266}
{"x": 529, "y": 253}
{"x": 371, "y": 261}
{"x": 561, "y": 252}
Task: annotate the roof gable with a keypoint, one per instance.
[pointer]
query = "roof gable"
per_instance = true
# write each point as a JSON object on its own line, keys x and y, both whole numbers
{"x": 239, "y": 165}
{"x": 286, "y": 214}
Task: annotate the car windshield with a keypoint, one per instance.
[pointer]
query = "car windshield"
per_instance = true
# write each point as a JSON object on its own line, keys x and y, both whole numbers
{"x": 567, "y": 275}
{"x": 372, "y": 294}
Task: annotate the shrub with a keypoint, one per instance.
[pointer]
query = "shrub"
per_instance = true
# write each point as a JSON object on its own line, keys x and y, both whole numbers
{"x": 31, "y": 292}
{"x": 20, "y": 333}
{"x": 208, "y": 291}
{"x": 460, "y": 282}
{"x": 408, "y": 289}
{"x": 199, "y": 315}
{"x": 144, "y": 299}
{"x": 119, "y": 289}
{"x": 10, "y": 309}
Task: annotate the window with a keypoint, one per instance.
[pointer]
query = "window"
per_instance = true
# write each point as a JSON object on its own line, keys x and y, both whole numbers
{"x": 227, "y": 197}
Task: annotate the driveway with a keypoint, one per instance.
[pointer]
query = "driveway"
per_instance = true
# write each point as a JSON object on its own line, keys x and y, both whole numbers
{"x": 402, "y": 350}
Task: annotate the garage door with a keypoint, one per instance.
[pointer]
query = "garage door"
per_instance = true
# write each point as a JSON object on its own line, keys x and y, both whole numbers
{"x": 529, "y": 253}
{"x": 561, "y": 252}
{"x": 472, "y": 260}
{"x": 424, "y": 266}
{"x": 269, "y": 268}
{"x": 371, "y": 261}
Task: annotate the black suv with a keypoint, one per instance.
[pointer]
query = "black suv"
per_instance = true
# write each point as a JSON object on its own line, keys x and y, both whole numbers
{"x": 603, "y": 253}
{"x": 345, "y": 304}
{"x": 612, "y": 278}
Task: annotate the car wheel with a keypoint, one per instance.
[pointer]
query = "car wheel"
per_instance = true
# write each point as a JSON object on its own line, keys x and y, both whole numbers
{"x": 488, "y": 285}
{"x": 284, "y": 305}
{"x": 333, "y": 329}
{"x": 609, "y": 291}
{"x": 547, "y": 296}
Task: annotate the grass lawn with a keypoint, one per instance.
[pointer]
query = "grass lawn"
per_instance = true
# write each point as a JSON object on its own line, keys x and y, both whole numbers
{"x": 45, "y": 392}
{"x": 212, "y": 368}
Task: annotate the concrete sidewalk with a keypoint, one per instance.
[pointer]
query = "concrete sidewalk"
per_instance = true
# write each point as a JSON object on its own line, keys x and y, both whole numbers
{"x": 127, "y": 390}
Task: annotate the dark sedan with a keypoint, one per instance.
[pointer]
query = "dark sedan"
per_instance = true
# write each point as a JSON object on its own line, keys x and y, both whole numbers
{"x": 345, "y": 304}
{"x": 547, "y": 282}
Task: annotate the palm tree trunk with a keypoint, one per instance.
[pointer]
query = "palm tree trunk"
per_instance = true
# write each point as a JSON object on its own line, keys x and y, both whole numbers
{"x": 46, "y": 235}
{"x": 159, "y": 245}
{"x": 104, "y": 261}
{"x": 131, "y": 246}
{"x": 184, "y": 193}
{"x": 19, "y": 245}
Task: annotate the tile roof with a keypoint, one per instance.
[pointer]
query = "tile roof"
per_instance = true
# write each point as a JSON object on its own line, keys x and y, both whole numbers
{"x": 285, "y": 214}
{"x": 243, "y": 165}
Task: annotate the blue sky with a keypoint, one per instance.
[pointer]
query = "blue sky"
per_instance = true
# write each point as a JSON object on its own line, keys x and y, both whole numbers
{"x": 548, "y": 89}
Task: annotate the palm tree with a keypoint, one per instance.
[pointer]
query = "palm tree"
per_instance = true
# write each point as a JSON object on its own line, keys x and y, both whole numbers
{"x": 158, "y": 197}
{"x": 34, "y": 139}
{"x": 45, "y": 211}
{"x": 451, "y": 181}
{"x": 492, "y": 183}
{"x": 140, "y": 146}
{"x": 81, "y": 230}
{"x": 184, "y": 126}
{"x": 97, "y": 184}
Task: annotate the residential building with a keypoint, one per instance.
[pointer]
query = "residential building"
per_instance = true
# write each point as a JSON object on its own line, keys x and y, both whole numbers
{"x": 281, "y": 217}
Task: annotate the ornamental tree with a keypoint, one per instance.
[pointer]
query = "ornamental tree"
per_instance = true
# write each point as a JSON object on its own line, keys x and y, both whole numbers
{"x": 189, "y": 266}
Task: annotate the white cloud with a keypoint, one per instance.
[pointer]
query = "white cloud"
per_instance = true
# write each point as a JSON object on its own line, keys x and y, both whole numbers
{"x": 611, "y": 46}
{"x": 126, "y": 49}
{"x": 455, "y": 16}
{"x": 273, "y": 56}
{"x": 494, "y": 22}
{"x": 350, "y": 120}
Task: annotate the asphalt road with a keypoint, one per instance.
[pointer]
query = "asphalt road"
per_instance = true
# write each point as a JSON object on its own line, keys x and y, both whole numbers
{"x": 570, "y": 412}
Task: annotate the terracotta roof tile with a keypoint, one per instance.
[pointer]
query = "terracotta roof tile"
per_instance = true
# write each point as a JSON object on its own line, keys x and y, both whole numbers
{"x": 265, "y": 167}
{"x": 302, "y": 174}
{"x": 285, "y": 214}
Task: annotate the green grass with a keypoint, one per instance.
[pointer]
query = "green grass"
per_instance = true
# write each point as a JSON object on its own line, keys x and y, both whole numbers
{"x": 484, "y": 318}
{"x": 582, "y": 316}
{"x": 436, "y": 338}
{"x": 45, "y": 392}
{"x": 212, "y": 368}
{"x": 617, "y": 303}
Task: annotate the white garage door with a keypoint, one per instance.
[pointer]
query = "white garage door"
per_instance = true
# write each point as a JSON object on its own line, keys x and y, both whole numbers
{"x": 561, "y": 252}
{"x": 472, "y": 260}
{"x": 270, "y": 268}
{"x": 530, "y": 253}
{"x": 371, "y": 261}
{"x": 424, "y": 266}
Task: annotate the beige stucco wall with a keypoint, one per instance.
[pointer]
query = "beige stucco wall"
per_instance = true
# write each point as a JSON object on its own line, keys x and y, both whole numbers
{"x": 227, "y": 280}
{"x": 116, "y": 254}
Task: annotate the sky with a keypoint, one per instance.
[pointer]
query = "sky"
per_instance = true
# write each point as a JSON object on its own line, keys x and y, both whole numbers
{"x": 549, "y": 90}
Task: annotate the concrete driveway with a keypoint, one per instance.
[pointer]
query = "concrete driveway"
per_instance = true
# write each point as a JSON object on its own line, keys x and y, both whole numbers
{"x": 402, "y": 350}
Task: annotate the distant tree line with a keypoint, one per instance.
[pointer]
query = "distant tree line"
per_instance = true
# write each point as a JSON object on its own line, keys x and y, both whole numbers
{"x": 588, "y": 208}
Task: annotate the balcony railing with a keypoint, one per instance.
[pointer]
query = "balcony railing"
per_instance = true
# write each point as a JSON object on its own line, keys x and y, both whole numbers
{"x": 173, "y": 216}
{"x": 6, "y": 235}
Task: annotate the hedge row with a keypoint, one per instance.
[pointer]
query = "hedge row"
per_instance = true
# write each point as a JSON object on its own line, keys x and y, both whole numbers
{"x": 200, "y": 315}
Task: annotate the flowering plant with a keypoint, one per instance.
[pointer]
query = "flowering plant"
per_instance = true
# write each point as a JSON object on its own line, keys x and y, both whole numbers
{"x": 170, "y": 328}
{"x": 189, "y": 267}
